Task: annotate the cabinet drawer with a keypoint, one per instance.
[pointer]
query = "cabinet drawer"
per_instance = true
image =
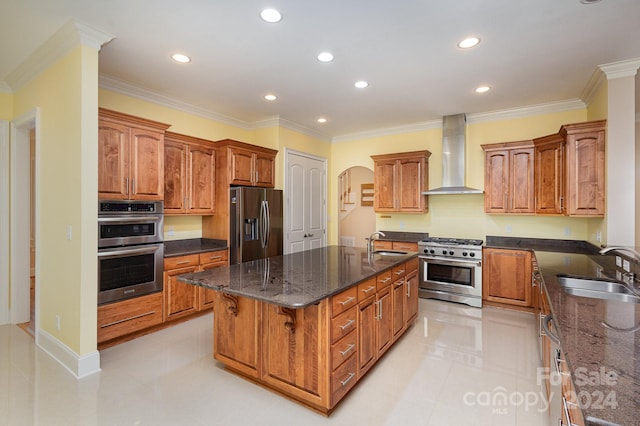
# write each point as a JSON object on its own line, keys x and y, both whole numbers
{"x": 411, "y": 265}
{"x": 120, "y": 318}
{"x": 383, "y": 280}
{"x": 343, "y": 379}
{"x": 398, "y": 272}
{"x": 342, "y": 350}
{"x": 383, "y": 245}
{"x": 181, "y": 261}
{"x": 366, "y": 289}
{"x": 400, "y": 245}
{"x": 343, "y": 324}
{"x": 343, "y": 301}
{"x": 213, "y": 256}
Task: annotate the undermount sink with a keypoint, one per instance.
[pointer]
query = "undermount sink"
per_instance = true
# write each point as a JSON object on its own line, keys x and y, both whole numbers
{"x": 597, "y": 289}
{"x": 390, "y": 252}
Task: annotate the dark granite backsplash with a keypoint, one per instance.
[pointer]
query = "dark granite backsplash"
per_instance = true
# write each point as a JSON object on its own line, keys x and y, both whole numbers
{"x": 192, "y": 246}
{"x": 409, "y": 237}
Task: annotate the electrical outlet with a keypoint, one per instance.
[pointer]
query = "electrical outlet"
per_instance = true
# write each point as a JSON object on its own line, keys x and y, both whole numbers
{"x": 69, "y": 232}
{"x": 170, "y": 231}
{"x": 598, "y": 236}
{"x": 507, "y": 229}
{"x": 626, "y": 266}
{"x": 618, "y": 261}
{"x": 567, "y": 231}
{"x": 58, "y": 322}
{"x": 401, "y": 225}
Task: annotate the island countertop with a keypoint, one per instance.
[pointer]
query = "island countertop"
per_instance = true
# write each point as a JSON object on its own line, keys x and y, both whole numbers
{"x": 297, "y": 280}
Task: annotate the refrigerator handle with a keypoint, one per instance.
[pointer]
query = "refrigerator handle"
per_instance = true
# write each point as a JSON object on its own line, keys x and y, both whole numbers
{"x": 263, "y": 224}
{"x": 267, "y": 217}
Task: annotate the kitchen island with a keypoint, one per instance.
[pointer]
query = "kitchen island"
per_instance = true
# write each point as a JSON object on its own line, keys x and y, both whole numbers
{"x": 311, "y": 324}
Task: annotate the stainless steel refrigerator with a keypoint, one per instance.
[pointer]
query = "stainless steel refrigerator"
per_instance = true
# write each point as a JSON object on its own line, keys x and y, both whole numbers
{"x": 255, "y": 220}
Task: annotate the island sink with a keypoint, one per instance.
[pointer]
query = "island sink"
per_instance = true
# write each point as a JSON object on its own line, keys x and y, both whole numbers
{"x": 597, "y": 288}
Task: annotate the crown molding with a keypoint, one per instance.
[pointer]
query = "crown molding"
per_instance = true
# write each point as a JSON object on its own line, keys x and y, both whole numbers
{"x": 593, "y": 85}
{"x": 628, "y": 68}
{"x": 69, "y": 36}
{"x": 527, "y": 111}
{"x": 288, "y": 124}
{"x": 5, "y": 88}
{"x": 387, "y": 131}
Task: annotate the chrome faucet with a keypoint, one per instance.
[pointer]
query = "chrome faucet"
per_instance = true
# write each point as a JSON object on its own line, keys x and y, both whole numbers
{"x": 371, "y": 240}
{"x": 636, "y": 254}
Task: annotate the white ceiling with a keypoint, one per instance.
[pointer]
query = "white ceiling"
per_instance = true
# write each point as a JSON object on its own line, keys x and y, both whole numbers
{"x": 531, "y": 52}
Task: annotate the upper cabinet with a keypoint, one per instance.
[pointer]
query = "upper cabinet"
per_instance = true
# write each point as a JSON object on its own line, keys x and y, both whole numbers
{"x": 189, "y": 175}
{"x": 399, "y": 180}
{"x": 508, "y": 179}
{"x": 130, "y": 157}
{"x": 561, "y": 174}
{"x": 249, "y": 165}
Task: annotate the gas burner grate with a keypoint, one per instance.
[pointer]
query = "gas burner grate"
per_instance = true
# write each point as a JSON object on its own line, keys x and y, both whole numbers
{"x": 453, "y": 241}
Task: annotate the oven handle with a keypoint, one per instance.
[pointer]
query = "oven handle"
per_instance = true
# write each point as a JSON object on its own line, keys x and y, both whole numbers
{"x": 134, "y": 219}
{"x": 129, "y": 251}
{"x": 449, "y": 262}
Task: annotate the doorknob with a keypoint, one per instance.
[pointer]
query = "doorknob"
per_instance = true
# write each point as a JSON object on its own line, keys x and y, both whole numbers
{"x": 311, "y": 235}
{"x": 305, "y": 236}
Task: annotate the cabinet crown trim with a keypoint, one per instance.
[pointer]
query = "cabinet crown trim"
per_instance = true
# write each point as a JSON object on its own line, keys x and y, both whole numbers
{"x": 399, "y": 155}
{"x": 238, "y": 144}
{"x": 107, "y": 114}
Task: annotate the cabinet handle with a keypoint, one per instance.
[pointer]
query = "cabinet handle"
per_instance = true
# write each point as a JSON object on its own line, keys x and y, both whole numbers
{"x": 347, "y": 301}
{"x": 367, "y": 290}
{"x": 183, "y": 262}
{"x": 399, "y": 283}
{"x": 347, "y": 325}
{"x": 256, "y": 175}
{"x": 561, "y": 203}
{"x": 400, "y": 272}
{"x": 348, "y": 379}
{"x": 215, "y": 257}
{"x": 386, "y": 280}
{"x": 408, "y": 288}
{"x": 128, "y": 319}
{"x": 126, "y": 184}
{"x": 346, "y": 351}
{"x": 133, "y": 186}
{"x": 379, "y": 305}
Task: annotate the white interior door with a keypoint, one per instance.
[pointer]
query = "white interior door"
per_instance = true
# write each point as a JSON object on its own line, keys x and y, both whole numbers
{"x": 305, "y": 199}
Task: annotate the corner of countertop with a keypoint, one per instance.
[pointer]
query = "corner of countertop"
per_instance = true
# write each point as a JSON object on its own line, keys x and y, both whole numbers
{"x": 174, "y": 248}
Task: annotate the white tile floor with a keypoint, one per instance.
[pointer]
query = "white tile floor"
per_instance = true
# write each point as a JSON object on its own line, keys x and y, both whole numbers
{"x": 456, "y": 366}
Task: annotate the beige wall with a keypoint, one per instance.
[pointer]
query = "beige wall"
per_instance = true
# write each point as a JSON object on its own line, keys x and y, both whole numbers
{"x": 67, "y": 96}
{"x": 6, "y": 106}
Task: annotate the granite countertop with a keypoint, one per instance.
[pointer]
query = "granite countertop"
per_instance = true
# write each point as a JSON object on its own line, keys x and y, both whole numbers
{"x": 296, "y": 280}
{"x": 605, "y": 363}
{"x": 406, "y": 237}
{"x": 192, "y": 246}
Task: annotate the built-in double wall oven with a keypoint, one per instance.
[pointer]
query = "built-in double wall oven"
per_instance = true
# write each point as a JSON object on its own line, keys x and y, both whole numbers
{"x": 130, "y": 249}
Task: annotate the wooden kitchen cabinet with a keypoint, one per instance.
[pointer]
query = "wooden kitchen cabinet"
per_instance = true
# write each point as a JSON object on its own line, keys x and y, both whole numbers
{"x": 181, "y": 299}
{"x": 248, "y": 165}
{"x": 399, "y": 180}
{"x": 395, "y": 245}
{"x": 189, "y": 177}
{"x": 411, "y": 294}
{"x": 128, "y": 316}
{"x": 506, "y": 277}
{"x": 130, "y": 157}
{"x": 508, "y": 179}
{"x": 549, "y": 174}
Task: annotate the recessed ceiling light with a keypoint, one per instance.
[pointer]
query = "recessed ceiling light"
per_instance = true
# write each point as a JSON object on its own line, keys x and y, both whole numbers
{"x": 482, "y": 89}
{"x": 271, "y": 15}
{"x": 325, "y": 57}
{"x": 469, "y": 42}
{"x": 322, "y": 120}
{"x": 270, "y": 97}
{"x": 361, "y": 84}
{"x": 179, "y": 57}
{"x": 589, "y": 1}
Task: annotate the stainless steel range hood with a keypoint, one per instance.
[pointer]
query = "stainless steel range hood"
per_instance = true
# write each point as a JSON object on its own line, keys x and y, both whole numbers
{"x": 453, "y": 152}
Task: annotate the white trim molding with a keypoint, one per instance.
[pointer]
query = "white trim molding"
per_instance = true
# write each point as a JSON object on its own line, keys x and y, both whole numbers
{"x": 78, "y": 365}
{"x": 71, "y": 34}
{"x": 5, "y": 163}
{"x": 593, "y": 85}
{"x": 628, "y": 68}
{"x": 387, "y": 131}
{"x": 527, "y": 111}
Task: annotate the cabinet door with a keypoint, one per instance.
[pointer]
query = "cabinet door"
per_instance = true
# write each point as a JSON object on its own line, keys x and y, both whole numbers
{"x": 496, "y": 181}
{"x": 585, "y": 174}
{"x": 411, "y": 294}
{"x": 147, "y": 165}
{"x": 113, "y": 161}
{"x": 521, "y": 189}
{"x": 201, "y": 180}
{"x": 175, "y": 171}
{"x": 241, "y": 166}
{"x": 236, "y": 331}
{"x": 121, "y": 318}
{"x": 398, "y": 300}
{"x": 180, "y": 299}
{"x": 549, "y": 177}
{"x": 506, "y": 277}
{"x": 410, "y": 184}
{"x": 265, "y": 170}
{"x": 367, "y": 351}
{"x": 384, "y": 198}
{"x": 384, "y": 325}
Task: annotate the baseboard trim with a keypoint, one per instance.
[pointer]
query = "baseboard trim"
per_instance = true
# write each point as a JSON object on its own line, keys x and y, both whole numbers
{"x": 78, "y": 365}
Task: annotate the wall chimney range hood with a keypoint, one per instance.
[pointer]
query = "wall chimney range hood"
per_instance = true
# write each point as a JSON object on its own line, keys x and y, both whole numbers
{"x": 453, "y": 153}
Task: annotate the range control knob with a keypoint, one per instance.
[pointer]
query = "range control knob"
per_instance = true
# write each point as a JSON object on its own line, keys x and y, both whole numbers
{"x": 472, "y": 254}
{"x": 432, "y": 251}
{"x": 444, "y": 252}
{"x": 464, "y": 253}
{"x": 451, "y": 252}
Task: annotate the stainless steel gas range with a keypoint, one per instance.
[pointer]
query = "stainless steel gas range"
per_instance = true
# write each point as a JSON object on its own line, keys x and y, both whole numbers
{"x": 451, "y": 270}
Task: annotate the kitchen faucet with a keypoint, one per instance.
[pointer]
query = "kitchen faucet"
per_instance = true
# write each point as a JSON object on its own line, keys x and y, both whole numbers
{"x": 630, "y": 276}
{"x": 371, "y": 239}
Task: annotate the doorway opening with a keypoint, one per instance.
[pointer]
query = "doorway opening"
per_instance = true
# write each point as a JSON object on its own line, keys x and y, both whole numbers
{"x": 356, "y": 218}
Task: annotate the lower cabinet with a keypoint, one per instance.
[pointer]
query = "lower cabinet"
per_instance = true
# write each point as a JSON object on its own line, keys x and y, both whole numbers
{"x": 121, "y": 318}
{"x": 182, "y": 299}
{"x": 506, "y": 277}
{"x": 317, "y": 354}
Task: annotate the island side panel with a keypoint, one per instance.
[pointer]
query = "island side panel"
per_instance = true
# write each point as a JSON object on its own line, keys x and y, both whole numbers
{"x": 235, "y": 333}
{"x": 295, "y": 352}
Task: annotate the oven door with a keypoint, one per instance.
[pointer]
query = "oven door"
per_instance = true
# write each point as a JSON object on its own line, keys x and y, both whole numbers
{"x": 451, "y": 275}
{"x": 117, "y": 231}
{"x": 128, "y": 272}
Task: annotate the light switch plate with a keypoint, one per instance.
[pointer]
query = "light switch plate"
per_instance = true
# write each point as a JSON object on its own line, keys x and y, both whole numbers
{"x": 626, "y": 266}
{"x": 619, "y": 261}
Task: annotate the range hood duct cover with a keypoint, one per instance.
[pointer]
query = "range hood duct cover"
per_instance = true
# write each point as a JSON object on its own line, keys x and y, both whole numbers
{"x": 453, "y": 152}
